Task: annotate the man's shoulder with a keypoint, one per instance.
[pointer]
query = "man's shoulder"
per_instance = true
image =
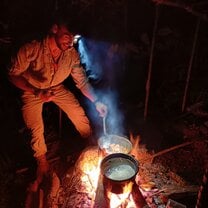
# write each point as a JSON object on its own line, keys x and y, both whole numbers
{"x": 32, "y": 47}
{"x": 33, "y": 44}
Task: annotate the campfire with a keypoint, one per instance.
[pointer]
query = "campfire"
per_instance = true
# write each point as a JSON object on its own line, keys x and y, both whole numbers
{"x": 104, "y": 177}
{"x": 102, "y": 180}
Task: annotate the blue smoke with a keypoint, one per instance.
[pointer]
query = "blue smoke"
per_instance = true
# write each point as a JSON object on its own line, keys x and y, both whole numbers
{"x": 100, "y": 67}
{"x": 88, "y": 54}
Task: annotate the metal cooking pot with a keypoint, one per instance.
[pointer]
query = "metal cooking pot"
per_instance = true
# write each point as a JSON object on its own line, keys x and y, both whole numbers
{"x": 110, "y": 144}
{"x": 118, "y": 170}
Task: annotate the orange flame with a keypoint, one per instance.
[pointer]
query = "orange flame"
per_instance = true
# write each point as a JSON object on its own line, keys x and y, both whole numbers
{"x": 122, "y": 200}
{"x": 135, "y": 145}
{"x": 90, "y": 169}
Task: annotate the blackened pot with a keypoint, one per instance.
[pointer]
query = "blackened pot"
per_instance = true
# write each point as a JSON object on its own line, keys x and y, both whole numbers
{"x": 118, "y": 170}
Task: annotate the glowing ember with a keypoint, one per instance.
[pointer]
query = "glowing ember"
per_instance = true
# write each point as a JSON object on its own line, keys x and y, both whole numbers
{"x": 90, "y": 171}
{"x": 91, "y": 175}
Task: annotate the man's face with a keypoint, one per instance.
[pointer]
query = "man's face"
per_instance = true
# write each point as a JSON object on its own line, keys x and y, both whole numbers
{"x": 63, "y": 38}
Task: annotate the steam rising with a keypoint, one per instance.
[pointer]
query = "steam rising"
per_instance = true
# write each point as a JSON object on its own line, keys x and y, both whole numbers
{"x": 101, "y": 62}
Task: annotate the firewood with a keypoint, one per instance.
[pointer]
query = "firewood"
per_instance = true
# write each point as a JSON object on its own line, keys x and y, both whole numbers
{"x": 41, "y": 198}
{"x": 138, "y": 197}
{"x": 170, "y": 149}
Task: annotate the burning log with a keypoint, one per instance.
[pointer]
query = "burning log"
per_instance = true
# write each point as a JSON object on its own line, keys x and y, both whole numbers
{"x": 41, "y": 198}
{"x": 138, "y": 197}
{"x": 82, "y": 181}
{"x": 101, "y": 201}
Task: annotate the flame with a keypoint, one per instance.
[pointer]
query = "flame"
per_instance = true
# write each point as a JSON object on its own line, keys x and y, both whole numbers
{"x": 128, "y": 188}
{"x": 91, "y": 174}
{"x": 135, "y": 145}
{"x": 122, "y": 200}
{"x": 139, "y": 151}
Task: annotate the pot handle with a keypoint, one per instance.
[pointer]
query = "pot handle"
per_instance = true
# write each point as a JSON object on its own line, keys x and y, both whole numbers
{"x": 104, "y": 126}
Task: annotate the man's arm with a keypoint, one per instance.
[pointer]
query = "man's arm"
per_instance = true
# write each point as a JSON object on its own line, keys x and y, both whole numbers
{"x": 20, "y": 63}
{"x": 22, "y": 83}
{"x": 88, "y": 92}
{"x": 79, "y": 76}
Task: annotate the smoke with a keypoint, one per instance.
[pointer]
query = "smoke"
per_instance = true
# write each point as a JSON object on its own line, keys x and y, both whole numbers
{"x": 102, "y": 62}
{"x": 92, "y": 56}
{"x": 115, "y": 118}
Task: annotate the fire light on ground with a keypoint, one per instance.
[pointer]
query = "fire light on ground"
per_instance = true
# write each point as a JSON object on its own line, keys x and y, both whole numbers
{"x": 87, "y": 188}
{"x": 83, "y": 185}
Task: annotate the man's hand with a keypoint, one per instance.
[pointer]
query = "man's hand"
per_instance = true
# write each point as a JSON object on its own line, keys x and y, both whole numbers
{"x": 101, "y": 108}
{"x": 45, "y": 95}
